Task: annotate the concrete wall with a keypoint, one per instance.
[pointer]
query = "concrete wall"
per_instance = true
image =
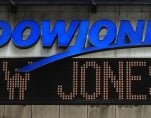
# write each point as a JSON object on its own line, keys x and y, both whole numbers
{"x": 115, "y": 13}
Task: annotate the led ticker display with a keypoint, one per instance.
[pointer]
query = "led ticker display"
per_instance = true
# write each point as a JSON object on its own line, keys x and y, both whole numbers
{"x": 77, "y": 81}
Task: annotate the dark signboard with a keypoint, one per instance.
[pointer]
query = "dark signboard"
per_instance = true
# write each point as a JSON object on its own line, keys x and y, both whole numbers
{"x": 76, "y": 1}
{"x": 77, "y": 81}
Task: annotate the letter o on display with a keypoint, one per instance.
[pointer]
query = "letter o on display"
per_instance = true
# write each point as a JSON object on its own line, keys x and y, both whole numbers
{"x": 97, "y": 27}
{"x": 17, "y": 35}
{"x": 6, "y": 33}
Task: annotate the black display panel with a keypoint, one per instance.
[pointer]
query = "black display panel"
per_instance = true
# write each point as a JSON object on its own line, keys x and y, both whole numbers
{"x": 84, "y": 2}
{"x": 77, "y": 81}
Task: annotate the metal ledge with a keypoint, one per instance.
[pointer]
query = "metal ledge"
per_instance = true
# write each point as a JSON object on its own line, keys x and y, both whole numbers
{"x": 74, "y": 2}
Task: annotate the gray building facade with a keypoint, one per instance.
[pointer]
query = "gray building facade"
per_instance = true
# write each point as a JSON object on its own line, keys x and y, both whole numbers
{"x": 68, "y": 13}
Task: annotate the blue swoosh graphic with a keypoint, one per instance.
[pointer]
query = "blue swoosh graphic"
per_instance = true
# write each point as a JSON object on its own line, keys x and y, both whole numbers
{"x": 72, "y": 51}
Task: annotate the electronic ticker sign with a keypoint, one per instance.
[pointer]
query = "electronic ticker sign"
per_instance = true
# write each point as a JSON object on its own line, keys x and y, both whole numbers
{"x": 60, "y": 79}
{"x": 77, "y": 81}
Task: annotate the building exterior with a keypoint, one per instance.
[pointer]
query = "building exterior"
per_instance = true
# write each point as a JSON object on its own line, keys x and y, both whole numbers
{"x": 113, "y": 12}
